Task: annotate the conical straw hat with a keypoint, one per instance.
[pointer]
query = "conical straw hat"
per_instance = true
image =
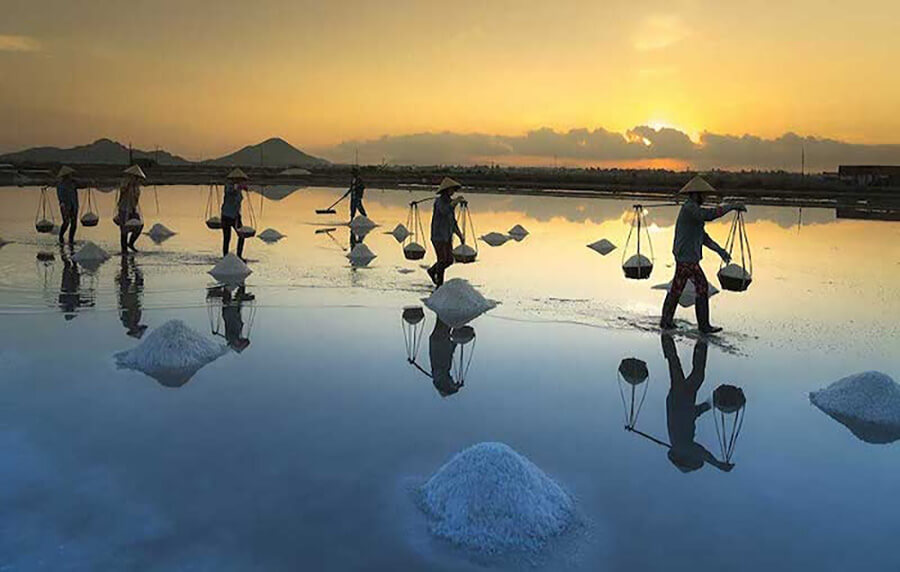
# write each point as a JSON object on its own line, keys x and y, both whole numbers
{"x": 697, "y": 185}
{"x": 136, "y": 171}
{"x": 448, "y": 184}
{"x": 237, "y": 174}
{"x": 65, "y": 170}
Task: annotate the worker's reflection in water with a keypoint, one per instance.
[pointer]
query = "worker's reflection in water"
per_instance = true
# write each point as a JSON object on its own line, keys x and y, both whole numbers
{"x": 440, "y": 352}
{"x": 682, "y": 409}
{"x": 232, "y": 305}
{"x": 70, "y": 295}
{"x": 130, "y": 282}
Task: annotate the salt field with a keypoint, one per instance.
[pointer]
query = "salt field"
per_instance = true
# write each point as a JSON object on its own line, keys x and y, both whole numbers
{"x": 295, "y": 421}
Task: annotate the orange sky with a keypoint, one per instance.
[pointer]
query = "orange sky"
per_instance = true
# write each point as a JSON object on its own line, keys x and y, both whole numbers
{"x": 201, "y": 78}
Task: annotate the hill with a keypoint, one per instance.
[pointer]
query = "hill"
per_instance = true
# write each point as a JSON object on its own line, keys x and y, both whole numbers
{"x": 273, "y": 152}
{"x": 104, "y": 151}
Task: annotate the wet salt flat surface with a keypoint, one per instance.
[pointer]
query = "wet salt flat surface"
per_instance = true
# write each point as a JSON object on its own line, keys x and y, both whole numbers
{"x": 300, "y": 450}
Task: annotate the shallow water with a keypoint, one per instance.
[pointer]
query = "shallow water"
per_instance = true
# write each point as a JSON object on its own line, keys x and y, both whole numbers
{"x": 298, "y": 450}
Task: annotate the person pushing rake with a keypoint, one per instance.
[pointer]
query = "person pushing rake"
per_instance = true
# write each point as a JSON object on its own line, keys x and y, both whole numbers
{"x": 690, "y": 238}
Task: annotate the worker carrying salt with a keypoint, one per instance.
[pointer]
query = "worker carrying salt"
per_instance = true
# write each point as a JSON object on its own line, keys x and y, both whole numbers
{"x": 690, "y": 238}
{"x": 443, "y": 227}
{"x": 128, "y": 216}
{"x": 67, "y": 193}
{"x": 235, "y": 185}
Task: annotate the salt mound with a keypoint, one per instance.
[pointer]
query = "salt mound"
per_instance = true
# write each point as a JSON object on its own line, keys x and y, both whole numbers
{"x": 400, "y": 232}
{"x": 171, "y": 354}
{"x": 495, "y": 238}
{"x": 464, "y": 251}
{"x": 518, "y": 232}
{"x": 867, "y": 403}
{"x": 456, "y": 302}
{"x": 361, "y": 255}
{"x": 90, "y": 252}
{"x": 270, "y": 235}
{"x": 637, "y": 261}
{"x": 230, "y": 269}
{"x": 602, "y": 246}
{"x": 414, "y": 250}
{"x": 492, "y": 500}
{"x": 689, "y": 295}
{"x": 735, "y": 271}
{"x": 159, "y": 232}
{"x": 361, "y": 223}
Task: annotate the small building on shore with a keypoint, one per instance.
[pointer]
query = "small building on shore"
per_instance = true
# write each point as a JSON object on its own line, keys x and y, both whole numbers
{"x": 870, "y": 175}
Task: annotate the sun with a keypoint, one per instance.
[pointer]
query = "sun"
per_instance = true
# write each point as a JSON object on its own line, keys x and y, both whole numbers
{"x": 658, "y": 124}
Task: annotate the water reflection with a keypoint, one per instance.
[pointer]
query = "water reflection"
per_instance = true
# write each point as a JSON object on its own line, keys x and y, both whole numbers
{"x": 130, "y": 291}
{"x": 682, "y": 409}
{"x": 633, "y": 379}
{"x": 450, "y": 350}
{"x": 225, "y": 307}
{"x": 71, "y": 297}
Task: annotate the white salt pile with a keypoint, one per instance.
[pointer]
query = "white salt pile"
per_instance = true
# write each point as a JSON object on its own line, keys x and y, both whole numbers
{"x": 171, "y": 354}
{"x": 637, "y": 261}
{"x": 361, "y": 255}
{"x": 735, "y": 271}
{"x": 456, "y": 302}
{"x": 230, "y": 269}
{"x": 464, "y": 253}
{"x": 602, "y": 246}
{"x": 90, "y": 219}
{"x": 518, "y": 232}
{"x": 246, "y": 231}
{"x": 414, "y": 251}
{"x": 689, "y": 295}
{"x": 400, "y": 232}
{"x": 495, "y": 238}
{"x": 270, "y": 235}
{"x": 134, "y": 223}
{"x": 90, "y": 252}
{"x": 361, "y": 223}
{"x": 867, "y": 403}
{"x": 492, "y": 500}
{"x": 160, "y": 232}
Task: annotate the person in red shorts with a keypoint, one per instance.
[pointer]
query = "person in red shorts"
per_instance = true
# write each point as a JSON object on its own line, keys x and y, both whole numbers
{"x": 690, "y": 238}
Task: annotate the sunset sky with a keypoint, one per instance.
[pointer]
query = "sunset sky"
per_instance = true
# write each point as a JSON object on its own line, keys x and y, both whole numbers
{"x": 201, "y": 78}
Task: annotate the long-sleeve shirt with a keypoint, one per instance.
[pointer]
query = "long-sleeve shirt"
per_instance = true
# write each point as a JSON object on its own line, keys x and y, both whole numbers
{"x": 690, "y": 233}
{"x": 129, "y": 196}
{"x": 67, "y": 193}
{"x": 443, "y": 220}
{"x": 357, "y": 188}
{"x": 231, "y": 203}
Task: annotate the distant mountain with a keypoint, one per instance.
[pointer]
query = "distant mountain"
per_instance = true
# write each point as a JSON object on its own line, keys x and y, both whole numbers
{"x": 273, "y": 152}
{"x": 100, "y": 151}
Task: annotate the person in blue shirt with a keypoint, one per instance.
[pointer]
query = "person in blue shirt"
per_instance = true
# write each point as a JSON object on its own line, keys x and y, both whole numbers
{"x": 67, "y": 193}
{"x": 690, "y": 238}
{"x": 443, "y": 227}
{"x": 235, "y": 185}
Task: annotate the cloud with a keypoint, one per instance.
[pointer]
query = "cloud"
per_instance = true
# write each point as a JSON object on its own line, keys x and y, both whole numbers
{"x": 9, "y": 43}
{"x": 641, "y": 143}
{"x": 660, "y": 31}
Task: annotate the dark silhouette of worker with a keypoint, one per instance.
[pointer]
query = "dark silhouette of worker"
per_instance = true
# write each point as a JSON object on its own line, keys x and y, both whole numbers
{"x": 443, "y": 227}
{"x": 690, "y": 238}
{"x": 440, "y": 351}
{"x": 130, "y": 283}
{"x": 67, "y": 194}
{"x": 232, "y": 305}
{"x": 682, "y": 410}
{"x": 357, "y": 190}
{"x": 70, "y": 296}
